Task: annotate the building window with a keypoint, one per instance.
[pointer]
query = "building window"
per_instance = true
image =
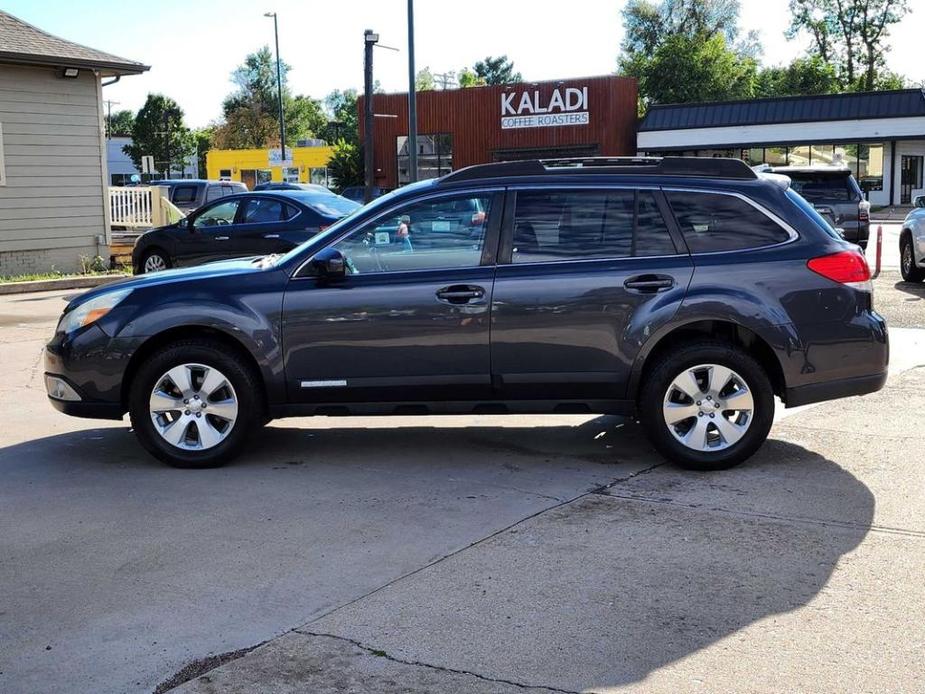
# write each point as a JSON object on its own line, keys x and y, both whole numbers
{"x": 291, "y": 174}
{"x": 224, "y": 174}
{"x": 435, "y": 157}
{"x": 753, "y": 156}
{"x": 799, "y": 155}
{"x": 822, "y": 155}
{"x": 775, "y": 156}
{"x": 870, "y": 167}
{"x": 319, "y": 176}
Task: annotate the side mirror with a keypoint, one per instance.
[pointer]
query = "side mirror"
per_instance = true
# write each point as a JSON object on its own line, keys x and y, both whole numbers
{"x": 188, "y": 223}
{"x": 919, "y": 201}
{"x": 329, "y": 264}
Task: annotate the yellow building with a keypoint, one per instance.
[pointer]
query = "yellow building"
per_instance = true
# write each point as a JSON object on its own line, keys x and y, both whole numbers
{"x": 253, "y": 166}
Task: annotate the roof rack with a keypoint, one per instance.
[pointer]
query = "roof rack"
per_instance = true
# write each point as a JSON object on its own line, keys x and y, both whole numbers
{"x": 703, "y": 167}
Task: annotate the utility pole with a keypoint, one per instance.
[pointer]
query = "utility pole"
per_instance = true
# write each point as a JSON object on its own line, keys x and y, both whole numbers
{"x": 412, "y": 102}
{"x": 445, "y": 79}
{"x": 369, "y": 40}
{"x": 109, "y": 103}
{"x": 279, "y": 88}
{"x": 167, "y": 141}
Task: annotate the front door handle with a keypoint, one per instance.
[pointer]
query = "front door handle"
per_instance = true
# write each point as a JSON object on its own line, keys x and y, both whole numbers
{"x": 221, "y": 238}
{"x": 460, "y": 293}
{"x": 271, "y": 236}
{"x": 649, "y": 284}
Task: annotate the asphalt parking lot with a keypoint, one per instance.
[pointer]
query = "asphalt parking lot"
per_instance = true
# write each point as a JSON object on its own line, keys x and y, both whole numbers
{"x": 481, "y": 554}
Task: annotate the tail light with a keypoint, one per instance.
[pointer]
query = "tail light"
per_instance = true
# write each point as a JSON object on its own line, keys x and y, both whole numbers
{"x": 845, "y": 267}
{"x": 864, "y": 211}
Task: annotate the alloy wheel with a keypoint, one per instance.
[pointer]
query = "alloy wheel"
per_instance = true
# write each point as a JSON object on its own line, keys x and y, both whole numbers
{"x": 193, "y": 407}
{"x": 708, "y": 407}
{"x": 155, "y": 263}
{"x": 907, "y": 258}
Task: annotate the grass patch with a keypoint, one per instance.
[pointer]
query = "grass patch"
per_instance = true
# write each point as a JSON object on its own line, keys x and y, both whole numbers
{"x": 39, "y": 276}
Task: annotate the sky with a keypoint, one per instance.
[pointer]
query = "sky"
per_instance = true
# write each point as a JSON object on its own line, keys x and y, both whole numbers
{"x": 193, "y": 46}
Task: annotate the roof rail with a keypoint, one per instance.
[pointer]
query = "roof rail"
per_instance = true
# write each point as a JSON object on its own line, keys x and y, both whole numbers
{"x": 703, "y": 167}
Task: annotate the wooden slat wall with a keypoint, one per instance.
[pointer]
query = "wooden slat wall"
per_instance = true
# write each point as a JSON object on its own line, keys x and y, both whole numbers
{"x": 53, "y": 197}
{"x": 473, "y": 117}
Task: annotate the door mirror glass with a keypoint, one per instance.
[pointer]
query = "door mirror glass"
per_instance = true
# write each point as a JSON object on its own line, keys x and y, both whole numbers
{"x": 328, "y": 264}
{"x": 919, "y": 201}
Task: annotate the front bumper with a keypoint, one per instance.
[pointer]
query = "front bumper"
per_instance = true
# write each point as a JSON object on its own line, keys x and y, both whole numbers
{"x": 84, "y": 373}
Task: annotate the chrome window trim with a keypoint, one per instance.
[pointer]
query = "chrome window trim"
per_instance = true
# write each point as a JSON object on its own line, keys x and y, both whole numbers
{"x": 489, "y": 191}
{"x": 794, "y": 235}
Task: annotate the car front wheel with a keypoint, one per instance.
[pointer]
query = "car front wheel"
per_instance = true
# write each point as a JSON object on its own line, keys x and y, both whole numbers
{"x": 707, "y": 406}
{"x": 193, "y": 404}
{"x": 907, "y": 266}
{"x": 155, "y": 261}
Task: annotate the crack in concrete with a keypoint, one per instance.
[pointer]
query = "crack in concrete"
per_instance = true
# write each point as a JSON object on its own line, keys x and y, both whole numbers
{"x": 440, "y": 668}
{"x": 885, "y": 529}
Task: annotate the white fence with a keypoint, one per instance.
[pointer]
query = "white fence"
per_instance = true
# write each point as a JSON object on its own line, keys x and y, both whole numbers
{"x": 141, "y": 207}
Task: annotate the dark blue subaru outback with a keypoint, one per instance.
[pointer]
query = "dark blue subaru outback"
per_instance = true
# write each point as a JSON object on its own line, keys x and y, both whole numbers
{"x": 688, "y": 292}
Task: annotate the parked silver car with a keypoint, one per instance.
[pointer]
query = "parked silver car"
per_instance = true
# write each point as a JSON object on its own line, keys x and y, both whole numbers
{"x": 912, "y": 243}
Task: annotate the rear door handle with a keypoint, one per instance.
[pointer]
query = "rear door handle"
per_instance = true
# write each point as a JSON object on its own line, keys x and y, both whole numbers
{"x": 460, "y": 294}
{"x": 271, "y": 236}
{"x": 649, "y": 283}
{"x": 221, "y": 238}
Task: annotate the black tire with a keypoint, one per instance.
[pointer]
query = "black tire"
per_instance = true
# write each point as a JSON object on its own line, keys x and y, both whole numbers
{"x": 659, "y": 378}
{"x": 907, "y": 267}
{"x": 210, "y": 353}
{"x": 155, "y": 253}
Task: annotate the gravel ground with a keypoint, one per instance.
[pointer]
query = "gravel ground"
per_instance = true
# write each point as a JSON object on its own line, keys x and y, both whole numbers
{"x": 901, "y": 303}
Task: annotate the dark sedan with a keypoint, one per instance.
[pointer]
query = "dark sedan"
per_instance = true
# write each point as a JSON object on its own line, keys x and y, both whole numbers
{"x": 251, "y": 224}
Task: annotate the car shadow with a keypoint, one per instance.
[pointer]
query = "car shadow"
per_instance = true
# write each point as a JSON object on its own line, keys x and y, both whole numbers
{"x": 643, "y": 572}
{"x": 916, "y": 289}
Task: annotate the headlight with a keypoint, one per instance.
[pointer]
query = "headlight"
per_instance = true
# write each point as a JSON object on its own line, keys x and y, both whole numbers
{"x": 91, "y": 311}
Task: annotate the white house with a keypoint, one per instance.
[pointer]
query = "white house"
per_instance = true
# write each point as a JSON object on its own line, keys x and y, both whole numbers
{"x": 879, "y": 135}
{"x": 121, "y": 168}
{"x": 53, "y": 180}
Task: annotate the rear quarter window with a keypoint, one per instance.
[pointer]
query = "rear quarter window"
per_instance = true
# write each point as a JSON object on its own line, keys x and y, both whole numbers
{"x": 712, "y": 222}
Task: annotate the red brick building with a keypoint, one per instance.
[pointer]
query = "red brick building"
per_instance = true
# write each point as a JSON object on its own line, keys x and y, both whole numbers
{"x": 459, "y": 127}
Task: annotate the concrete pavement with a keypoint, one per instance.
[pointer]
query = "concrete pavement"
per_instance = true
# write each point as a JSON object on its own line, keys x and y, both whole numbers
{"x": 459, "y": 554}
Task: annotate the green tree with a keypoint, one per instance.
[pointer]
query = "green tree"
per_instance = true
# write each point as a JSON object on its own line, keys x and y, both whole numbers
{"x": 119, "y": 124}
{"x": 850, "y": 34}
{"x": 468, "y": 78}
{"x": 497, "y": 70}
{"x": 804, "y": 76}
{"x": 346, "y": 165}
{"x": 343, "y": 118}
{"x": 686, "y": 69}
{"x": 203, "y": 138}
{"x": 159, "y": 131}
{"x": 687, "y": 50}
{"x": 424, "y": 80}
{"x": 251, "y": 112}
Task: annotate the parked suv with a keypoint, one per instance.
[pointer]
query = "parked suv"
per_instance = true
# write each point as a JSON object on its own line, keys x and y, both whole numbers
{"x": 687, "y": 292}
{"x": 190, "y": 193}
{"x": 835, "y": 194}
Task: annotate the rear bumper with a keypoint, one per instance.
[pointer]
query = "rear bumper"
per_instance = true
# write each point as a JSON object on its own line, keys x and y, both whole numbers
{"x": 831, "y": 390}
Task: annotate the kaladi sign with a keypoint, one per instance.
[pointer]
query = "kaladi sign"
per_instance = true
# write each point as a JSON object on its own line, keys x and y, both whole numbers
{"x": 527, "y": 109}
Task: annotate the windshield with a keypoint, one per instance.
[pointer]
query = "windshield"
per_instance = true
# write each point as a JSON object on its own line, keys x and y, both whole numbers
{"x": 813, "y": 214}
{"x": 336, "y": 229}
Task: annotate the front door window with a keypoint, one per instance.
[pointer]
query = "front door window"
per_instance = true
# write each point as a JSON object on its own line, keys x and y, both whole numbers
{"x": 218, "y": 216}
{"x": 430, "y": 235}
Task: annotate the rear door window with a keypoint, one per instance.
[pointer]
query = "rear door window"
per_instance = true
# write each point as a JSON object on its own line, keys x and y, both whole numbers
{"x": 555, "y": 225}
{"x": 184, "y": 195}
{"x": 262, "y": 211}
{"x": 712, "y": 222}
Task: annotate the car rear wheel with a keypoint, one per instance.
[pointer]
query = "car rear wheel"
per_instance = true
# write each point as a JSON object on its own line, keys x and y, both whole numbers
{"x": 907, "y": 266}
{"x": 155, "y": 261}
{"x": 193, "y": 404}
{"x": 707, "y": 406}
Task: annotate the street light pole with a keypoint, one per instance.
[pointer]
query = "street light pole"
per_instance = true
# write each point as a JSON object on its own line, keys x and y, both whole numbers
{"x": 279, "y": 88}
{"x": 412, "y": 102}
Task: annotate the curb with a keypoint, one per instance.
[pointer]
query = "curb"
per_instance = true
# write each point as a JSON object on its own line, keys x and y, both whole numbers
{"x": 63, "y": 283}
